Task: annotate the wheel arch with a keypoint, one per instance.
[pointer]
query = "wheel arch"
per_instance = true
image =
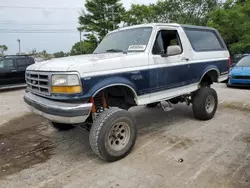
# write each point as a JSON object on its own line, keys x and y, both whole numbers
{"x": 212, "y": 73}
{"x": 109, "y": 83}
{"x": 117, "y": 84}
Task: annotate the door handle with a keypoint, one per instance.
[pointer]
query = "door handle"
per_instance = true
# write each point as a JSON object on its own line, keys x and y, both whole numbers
{"x": 14, "y": 70}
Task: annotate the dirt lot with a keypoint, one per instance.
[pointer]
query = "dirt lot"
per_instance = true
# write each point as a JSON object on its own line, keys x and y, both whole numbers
{"x": 172, "y": 150}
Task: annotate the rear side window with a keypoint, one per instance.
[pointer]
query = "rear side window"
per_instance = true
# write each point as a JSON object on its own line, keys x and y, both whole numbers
{"x": 6, "y": 63}
{"x": 204, "y": 40}
{"x": 21, "y": 62}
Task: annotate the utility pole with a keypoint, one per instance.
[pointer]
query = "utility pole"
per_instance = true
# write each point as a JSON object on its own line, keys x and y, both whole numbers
{"x": 19, "y": 46}
{"x": 113, "y": 17}
{"x": 81, "y": 41}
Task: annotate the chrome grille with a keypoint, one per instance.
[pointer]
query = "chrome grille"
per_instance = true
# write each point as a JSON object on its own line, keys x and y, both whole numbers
{"x": 38, "y": 82}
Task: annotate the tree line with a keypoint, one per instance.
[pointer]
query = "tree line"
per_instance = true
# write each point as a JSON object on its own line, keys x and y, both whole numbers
{"x": 230, "y": 17}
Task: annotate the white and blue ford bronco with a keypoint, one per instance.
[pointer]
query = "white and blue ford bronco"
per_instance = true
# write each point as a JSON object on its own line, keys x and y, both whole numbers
{"x": 150, "y": 64}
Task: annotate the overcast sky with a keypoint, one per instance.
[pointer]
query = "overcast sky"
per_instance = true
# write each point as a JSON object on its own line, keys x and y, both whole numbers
{"x": 56, "y": 15}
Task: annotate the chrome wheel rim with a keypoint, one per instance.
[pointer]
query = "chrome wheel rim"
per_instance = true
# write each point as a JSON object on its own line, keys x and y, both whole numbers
{"x": 119, "y": 136}
{"x": 210, "y": 104}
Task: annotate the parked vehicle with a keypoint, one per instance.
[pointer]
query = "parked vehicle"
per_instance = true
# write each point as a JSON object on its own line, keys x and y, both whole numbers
{"x": 237, "y": 57}
{"x": 151, "y": 64}
{"x": 240, "y": 73}
{"x": 12, "y": 69}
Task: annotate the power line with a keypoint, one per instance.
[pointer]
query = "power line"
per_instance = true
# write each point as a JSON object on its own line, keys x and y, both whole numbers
{"x": 40, "y": 8}
{"x": 32, "y": 32}
{"x": 37, "y": 22}
{"x": 51, "y": 24}
{"x": 38, "y": 31}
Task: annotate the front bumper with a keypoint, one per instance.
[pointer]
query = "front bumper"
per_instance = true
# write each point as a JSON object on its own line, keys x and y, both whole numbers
{"x": 59, "y": 112}
{"x": 238, "y": 82}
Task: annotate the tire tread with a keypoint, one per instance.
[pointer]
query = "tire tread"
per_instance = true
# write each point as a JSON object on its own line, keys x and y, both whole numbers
{"x": 96, "y": 128}
{"x": 198, "y": 103}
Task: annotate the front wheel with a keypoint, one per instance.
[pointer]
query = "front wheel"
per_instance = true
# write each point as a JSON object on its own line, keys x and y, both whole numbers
{"x": 113, "y": 134}
{"x": 205, "y": 103}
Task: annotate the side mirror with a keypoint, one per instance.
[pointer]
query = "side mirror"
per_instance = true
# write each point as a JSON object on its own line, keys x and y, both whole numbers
{"x": 173, "y": 50}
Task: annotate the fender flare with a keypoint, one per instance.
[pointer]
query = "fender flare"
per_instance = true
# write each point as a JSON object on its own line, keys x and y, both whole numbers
{"x": 109, "y": 82}
{"x": 212, "y": 68}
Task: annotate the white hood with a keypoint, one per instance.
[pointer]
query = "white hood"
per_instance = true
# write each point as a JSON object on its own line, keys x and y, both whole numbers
{"x": 90, "y": 63}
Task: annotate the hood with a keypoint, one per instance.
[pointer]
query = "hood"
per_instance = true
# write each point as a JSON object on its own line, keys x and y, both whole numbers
{"x": 240, "y": 71}
{"x": 94, "y": 64}
{"x": 63, "y": 64}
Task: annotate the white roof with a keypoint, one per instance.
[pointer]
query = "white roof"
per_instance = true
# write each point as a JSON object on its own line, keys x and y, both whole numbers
{"x": 159, "y": 24}
{"x": 147, "y": 25}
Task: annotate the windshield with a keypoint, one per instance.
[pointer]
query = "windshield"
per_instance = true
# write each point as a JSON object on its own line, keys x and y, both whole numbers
{"x": 125, "y": 41}
{"x": 245, "y": 62}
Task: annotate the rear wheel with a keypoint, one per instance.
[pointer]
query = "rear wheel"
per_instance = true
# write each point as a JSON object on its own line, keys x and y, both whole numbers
{"x": 62, "y": 126}
{"x": 205, "y": 103}
{"x": 113, "y": 134}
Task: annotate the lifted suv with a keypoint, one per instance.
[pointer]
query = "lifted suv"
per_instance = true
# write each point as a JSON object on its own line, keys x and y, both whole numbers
{"x": 152, "y": 64}
{"x": 12, "y": 69}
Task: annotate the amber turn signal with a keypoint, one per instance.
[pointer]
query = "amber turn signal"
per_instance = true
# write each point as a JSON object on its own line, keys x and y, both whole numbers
{"x": 66, "y": 89}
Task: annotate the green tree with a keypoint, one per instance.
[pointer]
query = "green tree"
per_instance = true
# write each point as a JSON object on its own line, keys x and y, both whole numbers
{"x": 194, "y": 12}
{"x": 139, "y": 14}
{"x": 44, "y": 52}
{"x": 59, "y": 54}
{"x": 3, "y": 48}
{"x": 232, "y": 19}
{"x": 33, "y": 52}
{"x": 85, "y": 47}
{"x": 100, "y": 17}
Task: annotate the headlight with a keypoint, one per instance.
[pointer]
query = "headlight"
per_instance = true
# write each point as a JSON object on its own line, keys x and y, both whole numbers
{"x": 63, "y": 83}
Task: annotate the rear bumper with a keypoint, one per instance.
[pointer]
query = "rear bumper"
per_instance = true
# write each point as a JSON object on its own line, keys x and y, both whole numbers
{"x": 223, "y": 78}
{"x": 59, "y": 112}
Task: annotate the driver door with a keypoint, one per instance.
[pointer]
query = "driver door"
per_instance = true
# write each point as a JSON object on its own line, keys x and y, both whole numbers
{"x": 171, "y": 71}
{"x": 8, "y": 72}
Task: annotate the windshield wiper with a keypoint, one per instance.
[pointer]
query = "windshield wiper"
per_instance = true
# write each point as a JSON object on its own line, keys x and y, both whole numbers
{"x": 115, "y": 50}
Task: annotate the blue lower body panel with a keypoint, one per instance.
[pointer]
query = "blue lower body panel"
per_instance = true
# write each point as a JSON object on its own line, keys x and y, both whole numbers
{"x": 239, "y": 82}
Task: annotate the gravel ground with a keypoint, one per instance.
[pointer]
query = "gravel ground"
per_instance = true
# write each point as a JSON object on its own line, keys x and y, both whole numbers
{"x": 172, "y": 150}
{"x": 12, "y": 105}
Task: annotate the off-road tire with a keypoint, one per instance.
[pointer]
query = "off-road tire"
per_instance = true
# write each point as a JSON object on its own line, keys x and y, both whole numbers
{"x": 101, "y": 128}
{"x": 152, "y": 105}
{"x": 62, "y": 126}
{"x": 200, "y": 101}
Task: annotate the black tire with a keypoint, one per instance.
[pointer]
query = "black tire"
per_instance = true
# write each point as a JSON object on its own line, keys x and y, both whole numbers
{"x": 204, "y": 109}
{"x": 62, "y": 126}
{"x": 100, "y": 134}
{"x": 152, "y": 105}
{"x": 205, "y": 84}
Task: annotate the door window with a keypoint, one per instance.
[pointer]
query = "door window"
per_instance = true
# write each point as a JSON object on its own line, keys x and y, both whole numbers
{"x": 6, "y": 63}
{"x": 21, "y": 62}
{"x": 30, "y": 61}
{"x": 164, "y": 39}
